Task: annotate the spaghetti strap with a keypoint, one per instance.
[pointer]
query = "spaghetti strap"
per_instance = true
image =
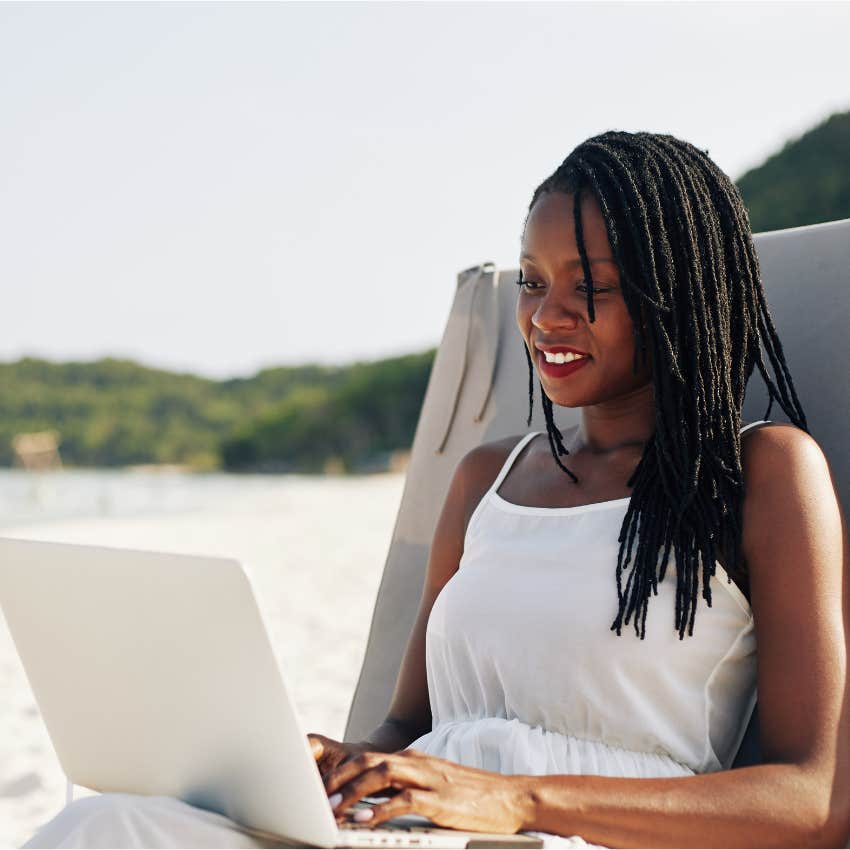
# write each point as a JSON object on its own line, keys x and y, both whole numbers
{"x": 506, "y": 467}
{"x": 750, "y": 425}
{"x": 509, "y": 461}
{"x": 521, "y": 444}
{"x": 473, "y": 519}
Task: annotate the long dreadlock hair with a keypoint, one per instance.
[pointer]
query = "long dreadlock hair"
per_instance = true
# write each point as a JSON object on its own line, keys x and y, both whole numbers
{"x": 681, "y": 236}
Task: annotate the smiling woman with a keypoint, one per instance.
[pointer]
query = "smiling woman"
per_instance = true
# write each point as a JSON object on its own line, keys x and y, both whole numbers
{"x": 545, "y": 715}
{"x": 638, "y": 249}
{"x": 520, "y": 705}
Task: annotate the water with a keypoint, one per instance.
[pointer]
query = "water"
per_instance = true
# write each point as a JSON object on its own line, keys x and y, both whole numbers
{"x": 36, "y": 497}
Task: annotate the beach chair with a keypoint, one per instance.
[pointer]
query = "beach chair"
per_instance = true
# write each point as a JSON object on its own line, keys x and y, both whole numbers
{"x": 478, "y": 392}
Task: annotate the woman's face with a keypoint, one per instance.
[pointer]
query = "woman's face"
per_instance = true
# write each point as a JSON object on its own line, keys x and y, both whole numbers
{"x": 552, "y": 305}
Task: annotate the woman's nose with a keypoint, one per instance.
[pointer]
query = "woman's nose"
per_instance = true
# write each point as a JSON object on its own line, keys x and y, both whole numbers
{"x": 550, "y": 315}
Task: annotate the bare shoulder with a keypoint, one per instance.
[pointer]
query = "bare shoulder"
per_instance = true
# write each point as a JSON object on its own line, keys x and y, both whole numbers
{"x": 792, "y": 515}
{"x": 472, "y": 477}
{"x": 479, "y": 467}
{"x": 481, "y": 460}
{"x": 777, "y": 454}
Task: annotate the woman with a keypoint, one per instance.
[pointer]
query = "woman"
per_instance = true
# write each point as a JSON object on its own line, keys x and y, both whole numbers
{"x": 588, "y": 626}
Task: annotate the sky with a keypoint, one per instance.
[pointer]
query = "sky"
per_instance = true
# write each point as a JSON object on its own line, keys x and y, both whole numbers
{"x": 223, "y": 187}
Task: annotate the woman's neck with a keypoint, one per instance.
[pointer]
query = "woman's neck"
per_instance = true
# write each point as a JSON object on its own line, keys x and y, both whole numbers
{"x": 624, "y": 422}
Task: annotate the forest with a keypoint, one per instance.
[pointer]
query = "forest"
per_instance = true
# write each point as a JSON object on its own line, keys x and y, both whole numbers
{"x": 117, "y": 413}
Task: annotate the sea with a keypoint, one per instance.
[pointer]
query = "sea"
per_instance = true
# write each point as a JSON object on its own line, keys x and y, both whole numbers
{"x": 28, "y": 497}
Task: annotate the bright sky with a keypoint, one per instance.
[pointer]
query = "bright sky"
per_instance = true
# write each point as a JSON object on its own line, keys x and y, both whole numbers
{"x": 221, "y": 187}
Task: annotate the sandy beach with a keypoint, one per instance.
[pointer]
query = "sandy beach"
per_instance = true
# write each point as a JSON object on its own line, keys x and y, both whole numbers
{"x": 314, "y": 548}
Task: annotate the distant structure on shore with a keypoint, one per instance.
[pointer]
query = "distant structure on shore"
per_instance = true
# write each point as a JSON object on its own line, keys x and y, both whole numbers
{"x": 37, "y": 451}
{"x": 391, "y": 461}
{"x": 399, "y": 460}
{"x": 394, "y": 461}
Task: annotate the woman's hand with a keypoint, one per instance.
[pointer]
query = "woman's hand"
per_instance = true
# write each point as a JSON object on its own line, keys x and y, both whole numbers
{"x": 330, "y": 753}
{"x": 449, "y": 794}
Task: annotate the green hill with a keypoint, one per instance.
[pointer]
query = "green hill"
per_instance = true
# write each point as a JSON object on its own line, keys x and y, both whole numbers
{"x": 806, "y": 182}
{"x": 371, "y": 412}
{"x": 113, "y": 412}
{"x": 117, "y": 412}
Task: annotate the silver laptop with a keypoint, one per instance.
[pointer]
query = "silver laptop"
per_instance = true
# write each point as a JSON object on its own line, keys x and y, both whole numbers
{"x": 155, "y": 675}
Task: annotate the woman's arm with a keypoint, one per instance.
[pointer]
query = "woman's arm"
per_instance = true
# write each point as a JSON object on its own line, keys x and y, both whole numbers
{"x": 795, "y": 545}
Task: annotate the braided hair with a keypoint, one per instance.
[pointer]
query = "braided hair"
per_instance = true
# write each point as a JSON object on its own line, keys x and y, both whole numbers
{"x": 691, "y": 281}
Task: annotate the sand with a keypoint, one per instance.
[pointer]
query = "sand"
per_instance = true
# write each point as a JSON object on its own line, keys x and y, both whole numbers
{"x": 314, "y": 548}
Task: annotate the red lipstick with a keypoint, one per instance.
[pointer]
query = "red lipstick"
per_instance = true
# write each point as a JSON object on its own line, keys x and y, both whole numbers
{"x": 560, "y": 370}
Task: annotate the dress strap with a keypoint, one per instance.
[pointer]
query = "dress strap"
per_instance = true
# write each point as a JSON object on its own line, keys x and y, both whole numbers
{"x": 482, "y": 502}
{"x": 509, "y": 461}
{"x": 757, "y": 422}
{"x": 521, "y": 444}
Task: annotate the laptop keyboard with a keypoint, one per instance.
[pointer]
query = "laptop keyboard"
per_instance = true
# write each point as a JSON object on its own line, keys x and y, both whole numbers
{"x": 389, "y": 834}
{"x": 362, "y": 835}
{"x": 403, "y": 831}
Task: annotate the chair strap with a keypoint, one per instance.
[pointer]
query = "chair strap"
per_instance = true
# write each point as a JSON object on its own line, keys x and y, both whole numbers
{"x": 481, "y": 275}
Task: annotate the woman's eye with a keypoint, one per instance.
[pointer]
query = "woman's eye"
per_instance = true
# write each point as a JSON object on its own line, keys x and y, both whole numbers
{"x": 530, "y": 285}
{"x": 525, "y": 284}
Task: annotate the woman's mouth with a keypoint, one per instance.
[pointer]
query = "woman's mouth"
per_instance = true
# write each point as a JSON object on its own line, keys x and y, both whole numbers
{"x": 560, "y": 370}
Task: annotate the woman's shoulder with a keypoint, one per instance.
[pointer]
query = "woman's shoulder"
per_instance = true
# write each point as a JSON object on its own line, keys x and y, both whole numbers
{"x": 791, "y": 512}
{"x": 772, "y": 453}
{"x": 483, "y": 463}
{"x": 781, "y": 461}
{"x": 479, "y": 467}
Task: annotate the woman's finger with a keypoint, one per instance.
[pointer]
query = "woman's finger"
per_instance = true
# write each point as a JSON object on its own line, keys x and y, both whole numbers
{"x": 327, "y": 765}
{"x": 409, "y": 801}
{"x": 347, "y": 770}
{"x": 391, "y": 773}
{"x": 369, "y": 784}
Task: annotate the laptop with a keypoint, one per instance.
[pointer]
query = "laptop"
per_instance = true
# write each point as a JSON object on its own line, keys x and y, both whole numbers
{"x": 154, "y": 674}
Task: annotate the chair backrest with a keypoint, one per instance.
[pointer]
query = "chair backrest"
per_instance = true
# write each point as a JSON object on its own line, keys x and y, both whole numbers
{"x": 478, "y": 392}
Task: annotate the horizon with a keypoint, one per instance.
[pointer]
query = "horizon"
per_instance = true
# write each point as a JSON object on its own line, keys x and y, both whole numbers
{"x": 153, "y": 367}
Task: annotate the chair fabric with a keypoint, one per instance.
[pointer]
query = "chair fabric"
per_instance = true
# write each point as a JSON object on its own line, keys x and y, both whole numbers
{"x": 478, "y": 392}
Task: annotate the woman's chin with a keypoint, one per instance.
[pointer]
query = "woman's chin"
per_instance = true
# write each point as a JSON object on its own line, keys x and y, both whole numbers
{"x": 573, "y": 391}
{"x": 563, "y": 391}
{"x": 560, "y": 398}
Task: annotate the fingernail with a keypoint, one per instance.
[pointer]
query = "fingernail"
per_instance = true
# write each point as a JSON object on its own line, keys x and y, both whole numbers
{"x": 335, "y": 800}
{"x": 363, "y": 814}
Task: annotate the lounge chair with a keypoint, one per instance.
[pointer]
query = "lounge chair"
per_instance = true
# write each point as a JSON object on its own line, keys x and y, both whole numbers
{"x": 478, "y": 392}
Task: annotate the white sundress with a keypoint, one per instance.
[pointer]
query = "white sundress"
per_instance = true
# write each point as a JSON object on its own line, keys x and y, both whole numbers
{"x": 525, "y": 675}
